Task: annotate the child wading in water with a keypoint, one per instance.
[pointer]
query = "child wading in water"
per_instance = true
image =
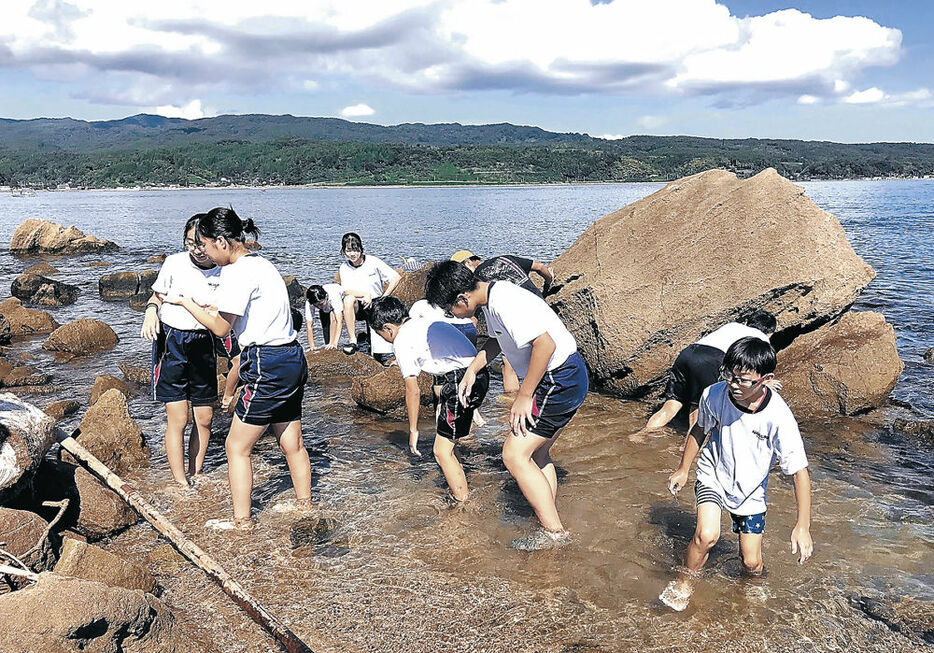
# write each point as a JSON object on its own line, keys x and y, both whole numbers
{"x": 750, "y": 427}
{"x": 439, "y": 348}
{"x": 253, "y": 300}
{"x": 554, "y": 382}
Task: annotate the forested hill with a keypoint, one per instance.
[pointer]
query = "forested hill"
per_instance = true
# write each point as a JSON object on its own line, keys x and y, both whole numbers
{"x": 272, "y": 150}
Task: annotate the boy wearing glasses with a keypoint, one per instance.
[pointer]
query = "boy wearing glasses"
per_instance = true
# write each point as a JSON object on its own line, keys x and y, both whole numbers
{"x": 749, "y": 427}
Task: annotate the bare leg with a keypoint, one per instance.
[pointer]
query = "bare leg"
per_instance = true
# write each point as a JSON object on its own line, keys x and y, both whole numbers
{"x": 664, "y": 415}
{"x": 296, "y": 455}
{"x": 451, "y": 467}
{"x": 198, "y": 440}
{"x": 679, "y": 591}
{"x": 239, "y": 445}
{"x": 517, "y": 455}
{"x": 542, "y": 458}
{"x": 750, "y": 550}
{"x": 350, "y": 318}
{"x": 510, "y": 378}
{"x": 176, "y": 413}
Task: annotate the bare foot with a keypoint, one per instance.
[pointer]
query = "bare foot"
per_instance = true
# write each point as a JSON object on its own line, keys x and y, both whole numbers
{"x": 677, "y": 595}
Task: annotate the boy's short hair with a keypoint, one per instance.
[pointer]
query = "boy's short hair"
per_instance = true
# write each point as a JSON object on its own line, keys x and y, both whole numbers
{"x": 750, "y": 353}
{"x": 447, "y": 280}
{"x": 315, "y": 293}
{"x": 386, "y": 310}
{"x": 761, "y": 320}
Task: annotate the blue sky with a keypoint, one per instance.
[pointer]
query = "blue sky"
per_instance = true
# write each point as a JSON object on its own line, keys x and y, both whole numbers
{"x": 850, "y": 71}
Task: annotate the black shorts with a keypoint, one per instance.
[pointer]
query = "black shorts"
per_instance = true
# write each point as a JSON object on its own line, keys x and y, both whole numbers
{"x": 695, "y": 368}
{"x": 274, "y": 383}
{"x": 558, "y": 396}
{"x": 227, "y": 347}
{"x": 184, "y": 366}
{"x": 454, "y": 418}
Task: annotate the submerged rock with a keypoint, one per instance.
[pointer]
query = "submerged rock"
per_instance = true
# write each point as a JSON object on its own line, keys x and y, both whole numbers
{"x": 907, "y": 615}
{"x": 914, "y": 427}
{"x": 36, "y": 236}
{"x": 385, "y": 392}
{"x": 411, "y": 286}
{"x": 26, "y": 434}
{"x": 81, "y": 337}
{"x": 312, "y": 530}
{"x": 81, "y": 560}
{"x": 42, "y": 268}
{"x": 105, "y": 382}
{"x": 108, "y": 432}
{"x": 642, "y": 283}
{"x": 929, "y": 355}
{"x": 35, "y": 288}
{"x": 330, "y": 363}
{"x": 61, "y": 409}
{"x": 20, "y": 375}
{"x": 70, "y": 614}
{"x": 157, "y": 258}
{"x": 24, "y": 321}
{"x": 843, "y": 368}
{"x": 139, "y": 374}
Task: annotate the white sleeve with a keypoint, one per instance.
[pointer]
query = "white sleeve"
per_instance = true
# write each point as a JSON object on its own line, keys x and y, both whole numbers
{"x": 705, "y": 418}
{"x": 524, "y": 323}
{"x": 308, "y": 314}
{"x": 163, "y": 281}
{"x": 386, "y": 273}
{"x": 789, "y": 447}
{"x": 336, "y": 297}
{"x": 234, "y": 293}
{"x": 406, "y": 358}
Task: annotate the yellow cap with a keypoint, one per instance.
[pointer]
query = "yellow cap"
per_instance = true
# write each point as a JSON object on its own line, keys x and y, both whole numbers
{"x": 461, "y": 255}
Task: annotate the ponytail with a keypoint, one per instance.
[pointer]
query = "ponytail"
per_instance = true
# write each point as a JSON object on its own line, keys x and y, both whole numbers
{"x": 248, "y": 227}
{"x": 223, "y": 222}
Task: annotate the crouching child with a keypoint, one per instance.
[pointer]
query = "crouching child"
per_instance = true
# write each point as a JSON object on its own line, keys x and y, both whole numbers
{"x": 440, "y": 349}
{"x": 749, "y": 427}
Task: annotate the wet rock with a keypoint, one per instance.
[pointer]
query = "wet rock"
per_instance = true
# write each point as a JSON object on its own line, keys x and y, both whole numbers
{"x": 156, "y": 258}
{"x": 165, "y": 556}
{"x": 21, "y": 375}
{"x": 38, "y": 289}
{"x": 908, "y": 616}
{"x": 98, "y": 264}
{"x": 296, "y": 293}
{"x": 846, "y": 367}
{"x": 26, "y": 321}
{"x": 929, "y": 355}
{"x": 24, "y": 535}
{"x": 914, "y": 427}
{"x": 26, "y": 434}
{"x": 108, "y": 431}
{"x": 81, "y": 560}
{"x": 59, "y": 410}
{"x": 90, "y": 616}
{"x": 253, "y": 245}
{"x": 20, "y": 390}
{"x": 6, "y": 332}
{"x": 146, "y": 279}
{"x": 312, "y": 530}
{"x": 139, "y": 300}
{"x": 330, "y": 363}
{"x": 642, "y": 283}
{"x": 105, "y": 382}
{"x": 81, "y": 337}
{"x": 385, "y": 392}
{"x": 411, "y": 286}
{"x": 138, "y": 374}
{"x": 36, "y": 236}
{"x": 119, "y": 285}
{"x": 94, "y": 510}
{"x": 42, "y": 268}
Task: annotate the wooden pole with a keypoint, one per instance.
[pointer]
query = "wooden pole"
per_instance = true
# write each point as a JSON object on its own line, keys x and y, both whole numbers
{"x": 288, "y": 640}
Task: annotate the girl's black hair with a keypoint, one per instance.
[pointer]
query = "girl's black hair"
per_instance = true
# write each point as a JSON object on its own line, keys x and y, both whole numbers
{"x": 447, "y": 280}
{"x": 192, "y": 222}
{"x": 386, "y": 310}
{"x": 221, "y": 222}
{"x": 762, "y": 320}
{"x": 351, "y": 238}
{"x": 750, "y": 353}
{"x": 315, "y": 294}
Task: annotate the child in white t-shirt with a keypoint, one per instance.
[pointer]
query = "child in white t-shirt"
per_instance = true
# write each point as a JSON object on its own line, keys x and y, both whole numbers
{"x": 328, "y": 302}
{"x": 427, "y": 345}
{"x": 750, "y": 427}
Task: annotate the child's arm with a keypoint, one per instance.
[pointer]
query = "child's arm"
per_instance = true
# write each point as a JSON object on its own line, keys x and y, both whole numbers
{"x": 413, "y": 398}
{"x": 521, "y": 413}
{"x": 230, "y": 387}
{"x": 692, "y": 447}
{"x": 801, "y": 542}
{"x": 545, "y": 272}
{"x": 490, "y": 351}
{"x": 217, "y": 323}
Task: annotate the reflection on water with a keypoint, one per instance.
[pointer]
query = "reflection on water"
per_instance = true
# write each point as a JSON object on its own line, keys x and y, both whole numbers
{"x": 398, "y": 569}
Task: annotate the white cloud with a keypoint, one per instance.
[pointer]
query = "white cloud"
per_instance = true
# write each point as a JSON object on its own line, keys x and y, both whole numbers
{"x": 648, "y": 48}
{"x": 611, "y": 137}
{"x": 191, "y": 111}
{"x": 310, "y": 85}
{"x": 869, "y": 96}
{"x": 874, "y": 95}
{"x": 808, "y": 99}
{"x": 357, "y": 111}
{"x": 651, "y": 122}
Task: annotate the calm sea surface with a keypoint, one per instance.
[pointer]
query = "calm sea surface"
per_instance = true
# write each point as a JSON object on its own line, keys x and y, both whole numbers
{"x": 405, "y": 573}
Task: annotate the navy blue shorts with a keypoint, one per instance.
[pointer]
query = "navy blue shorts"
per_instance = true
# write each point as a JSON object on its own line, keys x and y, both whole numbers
{"x": 558, "y": 396}
{"x": 750, "y": 524}
{"x": 454, "y": 418}
{"x": 227, "y": 347}
{"x": 184, "y": 366}
{"x": 274, "y": 379}
{"x": 695, "y": 368}
{"x": 469, "y": 330}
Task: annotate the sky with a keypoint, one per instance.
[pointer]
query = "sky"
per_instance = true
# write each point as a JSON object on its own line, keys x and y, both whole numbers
{"x": 846, "y": 71}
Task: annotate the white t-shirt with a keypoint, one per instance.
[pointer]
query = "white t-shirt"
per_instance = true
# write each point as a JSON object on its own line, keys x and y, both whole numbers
{"x": 436, "y": 347}
{"x": 729, "y": 333}
{"x": 423, "y": 309}
{"x": 335, "y": 300}
{"x": 253, "y": 290}
{"x": 742, "y": 446}
{"x": 370, "y": 277}
{"x": 180, "y": 276}
{"x": 516, "y": 317}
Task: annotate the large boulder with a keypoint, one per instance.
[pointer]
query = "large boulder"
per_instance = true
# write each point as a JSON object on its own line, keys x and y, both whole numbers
{"x": 23, "y": 534}
{"x": 108, "y": 432}
{"x": 82, "y": 560}
{"x": 26, "y": 434}
{"x": 81, "y": 337}
{"x": 39, "y": 289}
{"x": 119, "y": 285}
{"x": 385, "y": 392}
{"x": 411, "y": 286}
{"x": 36, "y": 236}
{"x": 59, "y": 613}
{"x": 642, "y": 283}
{"x": 24, "y": 321}
{"x": 105, "y": 382}
{"x": 846, "y": 367}
{"x": 331, "y": 363}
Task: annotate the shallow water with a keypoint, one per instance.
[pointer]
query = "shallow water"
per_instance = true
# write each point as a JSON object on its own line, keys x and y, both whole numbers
{"x": 404, "y": 572}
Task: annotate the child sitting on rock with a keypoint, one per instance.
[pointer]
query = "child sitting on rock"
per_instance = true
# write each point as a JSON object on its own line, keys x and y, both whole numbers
{"x": 436, "y": 347}
{"x": 749, "y": 427}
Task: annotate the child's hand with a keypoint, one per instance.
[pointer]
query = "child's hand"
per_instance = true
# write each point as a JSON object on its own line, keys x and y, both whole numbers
{"x": 225, "y": 402}
{"x": 677, "y": 480}
{"x": 465, "y": 386}
{"x": 521, "y": 414}
{"x": 329, "y": 347}
{"x": 150, "y": 330}
{"x": 774, "y": 384}
{"x": 413, "y": 443}
{"x": 801, "y": 543}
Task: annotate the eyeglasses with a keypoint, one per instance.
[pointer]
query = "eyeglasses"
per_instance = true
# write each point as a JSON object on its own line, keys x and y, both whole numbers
{"x": 731, "y": 378}
{"x": 190, "y": 244}
{"x": 450, "y": 312}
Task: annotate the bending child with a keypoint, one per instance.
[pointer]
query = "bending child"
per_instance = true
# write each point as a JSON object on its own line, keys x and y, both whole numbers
{"x": 328, "y": 301}
{"x": 749, "y": 426}
{"x": 436, "y": 347}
